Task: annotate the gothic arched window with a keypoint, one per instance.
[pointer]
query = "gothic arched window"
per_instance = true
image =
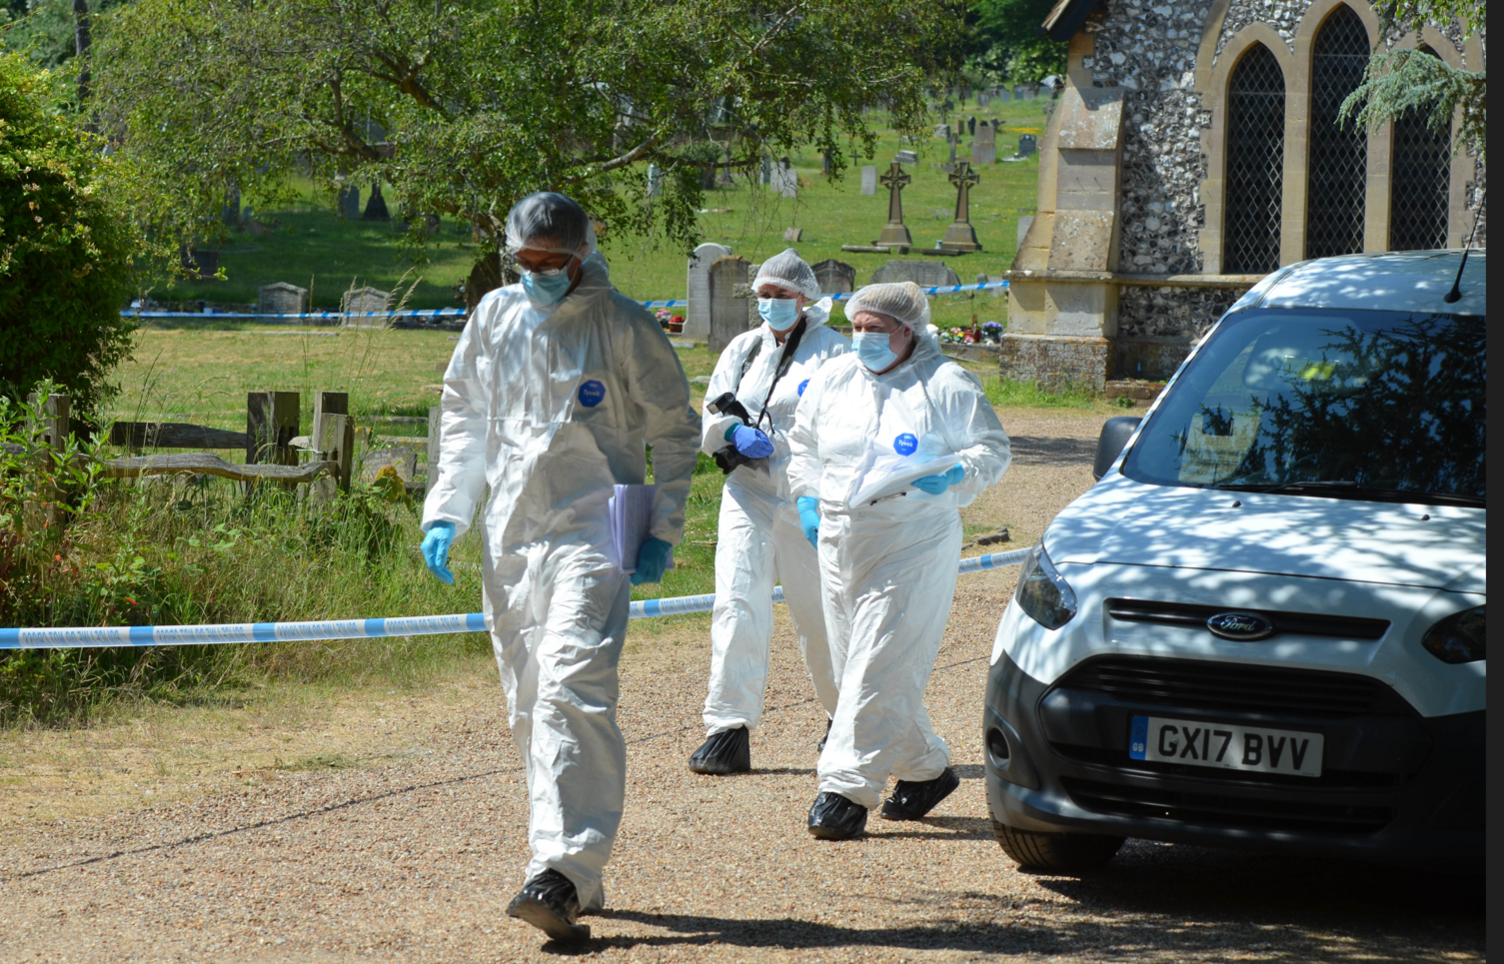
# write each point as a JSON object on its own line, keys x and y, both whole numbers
{"x": 1420, "y": 182}
{"x": 1337, "y": 167}
{"x": 1255, "y": 164}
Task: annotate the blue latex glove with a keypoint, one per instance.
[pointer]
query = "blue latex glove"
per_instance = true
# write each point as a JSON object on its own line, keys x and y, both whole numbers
{"x": 809, "y": 518}
{"x": 936, "y": 484}
{"x": 749, "y": 441}
{"x": 652, "y": 559}
{"x": 436, "y": 543}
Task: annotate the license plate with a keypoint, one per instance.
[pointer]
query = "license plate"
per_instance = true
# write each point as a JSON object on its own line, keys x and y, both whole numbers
{"x": 1227, "y": 747}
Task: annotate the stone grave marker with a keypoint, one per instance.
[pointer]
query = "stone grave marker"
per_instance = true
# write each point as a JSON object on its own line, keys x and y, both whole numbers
{"x": 869, "y": 179}
{"x": 906, "y": 157}
{"x": 697, "y": 287}
{"x": 349, "y": 203}
{"x": 1027, "y": 144}
{"x": 360, "y": 300}
{"x": 767, "y": 170}
{"x": 942, "y": 130}
{"x": 984, "y": 148}
{"x": 925, "y": 274}
{"x": 834, "y": 276}
{"x": 281, "y": 298}
{"x": 971, "y": 126}
{"x": 792, "y": 235}
{"x": 401, "y": 459}
{"x": 983, "y": 98}
{"x": 655, "y": 180}
{"x": 961, "y": 236}
{"x": 728, "y": 301}
{"x": 895, "y": 234}
{"x": 785, "y": 179}
{"x": 376, "y": 209}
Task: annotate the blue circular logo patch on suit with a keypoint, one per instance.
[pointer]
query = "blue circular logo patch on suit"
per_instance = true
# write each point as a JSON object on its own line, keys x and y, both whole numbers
{"x": 592, "y": 393}
{"x": 802, "y": 386}
{"x": 905, "y": 444}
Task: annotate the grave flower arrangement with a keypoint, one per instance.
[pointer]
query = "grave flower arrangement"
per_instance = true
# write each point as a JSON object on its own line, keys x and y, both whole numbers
{"x": 664, "y": 316}
{"x": 676, "y": 324}
{"x": 992, "y": 332}
{"x": 952, "y": 336}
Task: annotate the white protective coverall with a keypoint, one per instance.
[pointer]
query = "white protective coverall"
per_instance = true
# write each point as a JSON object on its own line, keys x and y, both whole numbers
{"x": 760, "y": 541}
{"x": 549, "y": 407}
{"x": 889, "y": 569}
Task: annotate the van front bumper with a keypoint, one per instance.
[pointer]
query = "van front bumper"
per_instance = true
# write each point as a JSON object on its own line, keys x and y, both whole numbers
{"x": 1395, "y": 786}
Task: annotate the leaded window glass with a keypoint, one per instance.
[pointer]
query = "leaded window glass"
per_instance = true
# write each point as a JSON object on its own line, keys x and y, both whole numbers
{"x": 1419, "y": 188}
{"x": 1255, "y": 164}
{"x": 1337, "y": 165}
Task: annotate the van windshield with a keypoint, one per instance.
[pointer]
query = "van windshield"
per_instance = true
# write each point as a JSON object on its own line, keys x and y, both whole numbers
{"x": 1372, "y": 405}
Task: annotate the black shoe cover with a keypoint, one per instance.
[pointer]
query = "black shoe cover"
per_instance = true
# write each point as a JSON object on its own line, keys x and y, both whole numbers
{"x": 913, "y": 800}
{"x": 550, "y": 903}
{"x": 833, "y": 817}
{"x": 724, "y": 753}
{"x": 821, "y": 745}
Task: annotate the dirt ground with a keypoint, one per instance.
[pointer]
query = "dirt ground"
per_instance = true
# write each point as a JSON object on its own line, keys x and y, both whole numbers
{"x": 389, "y": 825}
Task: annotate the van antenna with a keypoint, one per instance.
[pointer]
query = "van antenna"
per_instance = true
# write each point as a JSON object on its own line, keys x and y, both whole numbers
{"x": 1455, "y": 295}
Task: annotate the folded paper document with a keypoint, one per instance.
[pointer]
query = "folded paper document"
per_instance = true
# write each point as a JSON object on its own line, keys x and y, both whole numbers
{"x": 631, "y": 509}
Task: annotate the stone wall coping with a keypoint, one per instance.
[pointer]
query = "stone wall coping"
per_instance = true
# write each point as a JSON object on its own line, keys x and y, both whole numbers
{"x": 1142, "y": 280}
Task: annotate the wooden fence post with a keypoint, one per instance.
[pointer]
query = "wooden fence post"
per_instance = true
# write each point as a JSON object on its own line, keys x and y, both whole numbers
{"x": 335, "y": 435}
{"x": 435, "y": 418}
{"x": 272, "y": 423}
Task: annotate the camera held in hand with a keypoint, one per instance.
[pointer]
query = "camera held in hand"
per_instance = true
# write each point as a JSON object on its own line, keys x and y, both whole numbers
{"x": 727, "y": 458}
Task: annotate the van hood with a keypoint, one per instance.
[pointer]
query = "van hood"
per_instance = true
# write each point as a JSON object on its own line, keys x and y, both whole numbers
{"x": 1132, "y": 523}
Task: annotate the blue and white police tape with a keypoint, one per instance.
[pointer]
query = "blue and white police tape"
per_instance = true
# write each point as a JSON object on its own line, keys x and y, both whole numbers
{"x": 83, "y": 637}
{"x": 459, "y": 312}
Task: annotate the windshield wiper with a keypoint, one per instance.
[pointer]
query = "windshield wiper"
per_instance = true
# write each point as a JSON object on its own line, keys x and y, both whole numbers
{"x": 1349, "y": 489}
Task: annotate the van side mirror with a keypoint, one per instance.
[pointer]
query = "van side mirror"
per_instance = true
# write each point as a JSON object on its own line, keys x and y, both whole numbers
{"x": 1115, "y": 435}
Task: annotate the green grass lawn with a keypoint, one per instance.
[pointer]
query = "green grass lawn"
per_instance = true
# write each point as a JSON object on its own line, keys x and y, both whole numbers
{"x": 312, "y": 247}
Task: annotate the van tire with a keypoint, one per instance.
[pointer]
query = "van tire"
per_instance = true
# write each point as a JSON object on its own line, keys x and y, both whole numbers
{"x": 1056, "y": 853}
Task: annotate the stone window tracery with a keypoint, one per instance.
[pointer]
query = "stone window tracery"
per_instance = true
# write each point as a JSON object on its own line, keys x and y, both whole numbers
{"x": 1337, "y": 166}
{"x": 1255, "y": 163}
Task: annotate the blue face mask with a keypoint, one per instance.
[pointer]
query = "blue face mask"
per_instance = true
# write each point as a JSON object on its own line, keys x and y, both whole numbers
{"x": 872, "y": 348}
{"x": 547, "y": 287}
{"x": 781, "y": 314}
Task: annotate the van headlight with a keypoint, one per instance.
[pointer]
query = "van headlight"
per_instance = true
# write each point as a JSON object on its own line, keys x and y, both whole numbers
{"x": 1458, "y": 638}
{"x": 1042, "y": 592}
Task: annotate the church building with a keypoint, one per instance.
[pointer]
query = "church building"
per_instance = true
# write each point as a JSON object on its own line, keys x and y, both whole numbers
{"x": 1196, "y": 148}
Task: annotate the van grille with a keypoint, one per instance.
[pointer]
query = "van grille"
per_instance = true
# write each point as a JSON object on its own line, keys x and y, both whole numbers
{"x": 1195, "y": 617}
{"x": 1213, "y": 809}
{"x": 1234, "y": 687}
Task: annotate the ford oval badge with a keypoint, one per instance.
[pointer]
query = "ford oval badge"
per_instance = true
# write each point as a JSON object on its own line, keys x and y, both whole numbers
{"x": 1240, "y": 627}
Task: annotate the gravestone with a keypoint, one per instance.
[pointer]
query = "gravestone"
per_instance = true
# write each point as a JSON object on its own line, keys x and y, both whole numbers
{"x": 942, "y": 130}
{"x": 925, "y": 274}
{"x": 785, "y": 179}
{"x": 895, "y": 234}
{"x": 834, "y": 276}
{"x": 971, "y": 126}
{"x": 869, "y": 179}
{"x": 282, "y": 298}
{"x": 376, "y": 206}
{"x": 950, "y": 162}
{"x": 728, "y": 301}
{"x": 961, "y": 236}
{"x": 655, "y": 181}
{"x": 358, "y": 301}
{"x": 767, "y": 170}
{"x": 984, "y": 148}
{"x": 231, "y": 214}
{"x": 792, "y": 235}
{"x": 906, "y": 157}
{"x": 1027, "y": 144}
{"x": 983, "y": 98}
{"x": 200, "y": 264}
{"x": 349, "y": 203}
{"x": 400, "y": 459}
{"x": 825, "y": 163}
{"x": 697, "y": 288}
{"x": 1004, "y": 95}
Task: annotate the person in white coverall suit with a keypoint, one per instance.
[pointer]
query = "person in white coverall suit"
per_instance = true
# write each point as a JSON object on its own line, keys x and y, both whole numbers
{"x": 761, "y": 542}
{"x": 869, "y": 420}
{"x": 554, "y": 391}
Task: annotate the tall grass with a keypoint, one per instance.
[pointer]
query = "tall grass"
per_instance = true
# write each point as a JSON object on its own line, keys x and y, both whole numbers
{"x": 77, "y": 549}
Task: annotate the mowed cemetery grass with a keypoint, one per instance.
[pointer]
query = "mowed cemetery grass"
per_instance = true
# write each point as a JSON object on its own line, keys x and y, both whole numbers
{"x": 312, "y": 247}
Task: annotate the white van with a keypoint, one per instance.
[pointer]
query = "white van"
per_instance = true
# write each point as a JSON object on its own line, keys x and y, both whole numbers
{"x": 1263, "y": 626}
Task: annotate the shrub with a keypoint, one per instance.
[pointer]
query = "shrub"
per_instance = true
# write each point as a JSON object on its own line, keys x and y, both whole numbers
{"x": 67, "y": 250}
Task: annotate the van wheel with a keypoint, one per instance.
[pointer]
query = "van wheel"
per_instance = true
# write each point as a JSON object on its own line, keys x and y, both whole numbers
{"x": 1056, "y": 853}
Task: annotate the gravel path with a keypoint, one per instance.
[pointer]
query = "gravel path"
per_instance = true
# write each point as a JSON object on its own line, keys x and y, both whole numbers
{"x": 415, "y": 860}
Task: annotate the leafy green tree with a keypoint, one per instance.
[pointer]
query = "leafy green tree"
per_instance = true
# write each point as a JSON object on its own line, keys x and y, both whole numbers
{"x": 1007, "y": 44}
{"x": 1398, "y": 81}
{"x": 466, "y": 105}
{"x": 68, "y": 249}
